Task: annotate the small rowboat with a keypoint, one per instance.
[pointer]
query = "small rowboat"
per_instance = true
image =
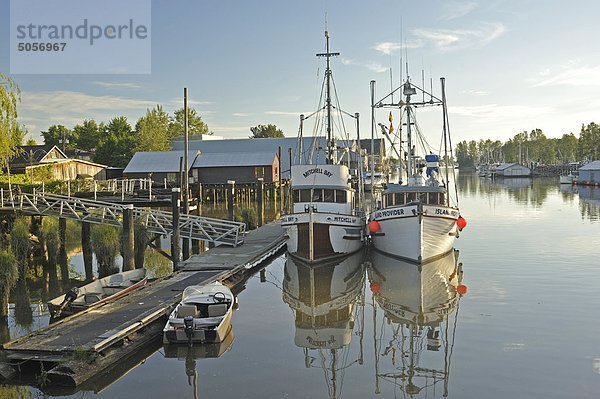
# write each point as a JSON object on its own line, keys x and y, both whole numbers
{"x": 202, "y": 316}
{"x": 97, "y": 292}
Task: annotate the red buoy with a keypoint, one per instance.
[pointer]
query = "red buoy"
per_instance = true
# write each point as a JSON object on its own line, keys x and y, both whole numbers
{"x": 461, "y": 289}
{"x": 461, "y": 222}
{"x": 374, "y": 226}
{"x": 375, "y": 287}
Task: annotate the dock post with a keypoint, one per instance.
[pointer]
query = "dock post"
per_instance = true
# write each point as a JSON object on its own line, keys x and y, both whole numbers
{"x": 175, "y": 249}
{"x": 62, "y": 251}
{"x": 230, "y": 194}
{"x": 86, "y": 246}
{"x": 279, "y": 176}
{"x": 127, "y": 238}
{"x": 261, "y": 202}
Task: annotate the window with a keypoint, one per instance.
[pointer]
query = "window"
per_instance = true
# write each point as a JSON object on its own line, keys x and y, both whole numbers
{"x": 317, "y": 195}
{"x": 328, "y": 195}
{"x": 296, "y": 195}
{"x": 305, "y": 195}
{"x": 399, "y": 199}
{"x": 410, "y": 197}
{"x": 259, "y": 172}
{"x": 172, "y": 177}
{"x": 340, "y": 196}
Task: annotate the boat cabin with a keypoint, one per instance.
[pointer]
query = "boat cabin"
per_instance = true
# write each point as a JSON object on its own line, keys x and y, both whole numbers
{"x": 402, "y": 195}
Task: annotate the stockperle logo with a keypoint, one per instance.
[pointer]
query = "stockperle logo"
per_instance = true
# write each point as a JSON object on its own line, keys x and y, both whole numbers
{"x": 80, "y": 37}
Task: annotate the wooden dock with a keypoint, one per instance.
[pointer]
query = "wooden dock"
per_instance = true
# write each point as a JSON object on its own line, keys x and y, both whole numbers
{"x": 76, "y": 348}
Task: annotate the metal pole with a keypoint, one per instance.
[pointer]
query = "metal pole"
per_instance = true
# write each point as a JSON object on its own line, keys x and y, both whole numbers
{"x": 359, "y": 161}
{"x": 372, "y": 138}
{"x": 230, "y": 194}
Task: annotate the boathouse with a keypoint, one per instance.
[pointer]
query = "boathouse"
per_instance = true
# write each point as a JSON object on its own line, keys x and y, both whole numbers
{"x": 242, "y": 167}
{"x": 590, "y": 173}
{"x": 41, "y": 163}
{"x": 158, "y": 165}
{"x": 511, "y": 170}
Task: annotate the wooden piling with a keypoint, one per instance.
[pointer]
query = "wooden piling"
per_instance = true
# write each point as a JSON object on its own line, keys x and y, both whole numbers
{"x": 230, "y": 201}
{"x": 86, "y": 246}
{"x": 175, "y": 247}
{"x": 261, "y": 203}
{"x": 127, "y": 239}
{"x": 62, "y": 251}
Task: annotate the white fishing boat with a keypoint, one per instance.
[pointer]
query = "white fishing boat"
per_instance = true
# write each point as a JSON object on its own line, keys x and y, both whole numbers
{"x": 416, "y": 316}
{"x": 326, "y": 220}
{"x": 96, "y": 292}
{"x": 202, "y": 316}
{"x": 377, "y": 181}
{"x": 568, "y": 179}
{"x": 416, "y": 221}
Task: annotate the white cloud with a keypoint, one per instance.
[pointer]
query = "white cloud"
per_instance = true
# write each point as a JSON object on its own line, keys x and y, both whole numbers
{"x": 475, "y": 92}
{"x": 373, "y": 66}
{"x": 449, "y": 39}
{"x": 242, "y": 114}
{"x": 454, "y": 10}
{"x": 114, "y": 85}
{"x": 286, "y": 113}
{"x": 388, "y": 48}
{"x": 583, "y": 76}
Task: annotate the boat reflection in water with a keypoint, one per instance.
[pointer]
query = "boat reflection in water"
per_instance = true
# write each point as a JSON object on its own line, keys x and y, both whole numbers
{"x": 414, "y": 337}
{"x": 190, "y": 354}
{"x": 328, "y": 304}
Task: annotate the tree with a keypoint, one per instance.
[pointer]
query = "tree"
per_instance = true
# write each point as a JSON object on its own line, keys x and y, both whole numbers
{"x": 152, "y": 131}
{"x": 31, "y": 141}
{"x": 56, "y": 134}
{"x": 10, "y": 95}
{"x": 265, "y": 131}
{"x": 196, "y": 126}
{"x": 117, "y": 144}
{"x": 88, "y": 135}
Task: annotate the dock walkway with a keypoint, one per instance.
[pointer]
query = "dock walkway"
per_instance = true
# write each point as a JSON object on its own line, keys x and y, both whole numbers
{"x": 113, "y": 330}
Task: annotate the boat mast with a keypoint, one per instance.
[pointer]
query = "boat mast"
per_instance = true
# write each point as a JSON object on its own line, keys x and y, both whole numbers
{"x": 408, "y": 91}
{"x": 330, "y": 143}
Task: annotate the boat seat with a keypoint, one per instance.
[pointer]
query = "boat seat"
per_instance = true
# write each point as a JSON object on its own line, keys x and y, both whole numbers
{"x": 216, "y": 310}
{"x": 115, "y": 280}
{"x": 186, "y": 310}
{"x": 92, "y": 297}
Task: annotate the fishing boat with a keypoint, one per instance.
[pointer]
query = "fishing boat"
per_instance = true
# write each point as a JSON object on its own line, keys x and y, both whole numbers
{"x": 416, "y": 220}
{"x": 203, "y": 315}
{"x": 326, "y": 219}
{"x": 414, "y": 332}
{"x": 97, "y": 292}
{"x": 568, "y": 179}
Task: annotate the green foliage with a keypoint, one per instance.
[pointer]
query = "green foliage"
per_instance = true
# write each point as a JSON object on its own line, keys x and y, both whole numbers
{"x": 56, "y": 134}
{"x": 156, "y": 264}
{"x": 20, "y": 244}
{"x": 265, "y": 131}
{"x": 248, "y": 216}
{"x": 88, "y": 134}
{"x": 152, "y": 131}
{"x": 105, "y": 241}
{"x": 589, "y": 142}
{"x": 10, "y": 95}
{"x": 31, "y": 141}
{"x": 9, "y": 274}
{"x": 117, "y": 144}
{"x": 195, "y": 124}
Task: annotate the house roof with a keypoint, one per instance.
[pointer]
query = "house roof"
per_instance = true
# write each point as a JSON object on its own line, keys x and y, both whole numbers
{"x": 594, "y": 165}
{"x": 33, "y": 154}
{"x": 503, "y": 166}
{"x": 216, "y": 159}
{"x": 158, "y": 162}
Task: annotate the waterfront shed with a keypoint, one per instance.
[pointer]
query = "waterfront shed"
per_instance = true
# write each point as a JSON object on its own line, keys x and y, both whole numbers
{"x": 248, "y": 167}
{"x": 158, "y": 165}
{"x": 590, "y": 173}
{"x": 512, "y": 170}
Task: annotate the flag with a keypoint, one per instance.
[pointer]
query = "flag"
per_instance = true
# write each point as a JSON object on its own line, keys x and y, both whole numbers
{"x": 391, "y": 125}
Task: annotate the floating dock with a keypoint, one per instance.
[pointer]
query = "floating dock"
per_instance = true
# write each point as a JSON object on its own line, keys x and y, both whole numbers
{"x": 79, "y": 347}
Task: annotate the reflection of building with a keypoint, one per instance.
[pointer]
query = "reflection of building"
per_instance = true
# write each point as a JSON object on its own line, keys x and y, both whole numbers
{"x": 415, "y": 332}
{"x": 323, "y": 299}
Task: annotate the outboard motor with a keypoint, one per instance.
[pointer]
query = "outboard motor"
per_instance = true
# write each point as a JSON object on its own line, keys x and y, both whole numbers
{"x": 70, "y": 296}
{"x": 188, "y": 322}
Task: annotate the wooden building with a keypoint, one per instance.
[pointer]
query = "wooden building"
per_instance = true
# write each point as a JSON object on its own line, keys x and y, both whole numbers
{"x": 511, "y": 170}
{"x": 50, "y": 163}
{"x": 590, "y": 173}
{"x": 217, "y": 168}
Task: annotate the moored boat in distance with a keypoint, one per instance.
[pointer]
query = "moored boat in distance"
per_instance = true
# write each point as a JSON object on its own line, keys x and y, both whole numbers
{"x": 202, "y": 316}
{"x": 96, "y": 292}
{"x": 416, "y": 221}
{"x": 326, "y": 219}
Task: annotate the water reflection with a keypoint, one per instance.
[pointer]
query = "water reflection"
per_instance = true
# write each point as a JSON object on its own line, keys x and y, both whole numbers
{"x": 189, "y": 354}
{"x": 415, "y": 334}
{"x": 328, "y": 305}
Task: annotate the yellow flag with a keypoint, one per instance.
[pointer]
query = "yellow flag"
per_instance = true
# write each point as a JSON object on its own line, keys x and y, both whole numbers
{"x": 391, "y": 125}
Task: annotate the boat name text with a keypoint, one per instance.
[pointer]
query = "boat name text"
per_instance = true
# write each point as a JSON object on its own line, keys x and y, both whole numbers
{"x": 317, "y": 170}
{"x": 391, "y": 212}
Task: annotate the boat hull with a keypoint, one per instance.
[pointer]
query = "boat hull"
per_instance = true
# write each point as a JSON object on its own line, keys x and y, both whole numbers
{"x": 201, "y": 335}
{"x": 316, "y": 236}
{"x": 418, "y": 233}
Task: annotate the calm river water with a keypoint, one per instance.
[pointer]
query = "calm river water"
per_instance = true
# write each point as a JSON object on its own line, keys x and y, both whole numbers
{"x": 379, "y": 328}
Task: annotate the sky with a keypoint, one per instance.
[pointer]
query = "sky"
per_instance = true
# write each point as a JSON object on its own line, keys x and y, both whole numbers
{"x": 510, "y": 65}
